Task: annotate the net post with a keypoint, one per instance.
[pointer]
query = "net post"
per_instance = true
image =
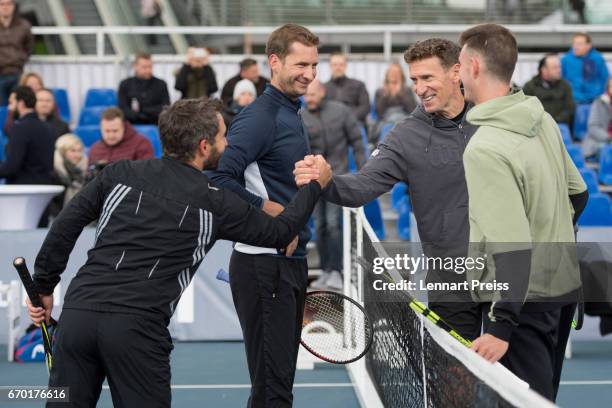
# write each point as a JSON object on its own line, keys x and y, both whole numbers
{"x": 346, "y": 250}
{"x": 347, "y": 266}
{"x": 360, "y": 216}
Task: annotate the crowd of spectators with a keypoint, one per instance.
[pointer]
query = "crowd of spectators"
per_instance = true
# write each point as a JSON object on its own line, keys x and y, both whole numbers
{"x": 338, "y": 114}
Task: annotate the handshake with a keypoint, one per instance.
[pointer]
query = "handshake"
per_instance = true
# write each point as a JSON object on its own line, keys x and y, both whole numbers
{"x": 312, "y": 168}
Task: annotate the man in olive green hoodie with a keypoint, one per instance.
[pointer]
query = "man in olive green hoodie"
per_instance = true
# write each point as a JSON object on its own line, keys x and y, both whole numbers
{"x": 524, "y": 196}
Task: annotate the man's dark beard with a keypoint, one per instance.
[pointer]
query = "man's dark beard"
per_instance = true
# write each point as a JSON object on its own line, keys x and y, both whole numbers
{"x": 213, "y": 159}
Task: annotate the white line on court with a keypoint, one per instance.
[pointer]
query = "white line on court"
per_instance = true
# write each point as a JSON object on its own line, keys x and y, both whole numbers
{"x": 239, "y": 386}
{"x": 594, "y": 382}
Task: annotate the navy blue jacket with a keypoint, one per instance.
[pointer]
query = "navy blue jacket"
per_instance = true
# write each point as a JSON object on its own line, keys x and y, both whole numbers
{"x": 29, "y": 153}
{"x": 264, "y": 142}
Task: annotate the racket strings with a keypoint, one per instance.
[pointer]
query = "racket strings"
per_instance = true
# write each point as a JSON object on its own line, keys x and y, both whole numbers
{"x": 334, "y": 328}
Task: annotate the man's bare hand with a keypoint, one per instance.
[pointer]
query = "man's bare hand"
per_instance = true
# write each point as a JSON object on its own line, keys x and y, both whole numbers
{"x": 291, "y": 247}
{"x": 37, "y": 314}
{"x": 490, "y": 347}
{"x": 325, "y": 171}
{"x": 272, "y": 208}
{"x": 305, "y": 171}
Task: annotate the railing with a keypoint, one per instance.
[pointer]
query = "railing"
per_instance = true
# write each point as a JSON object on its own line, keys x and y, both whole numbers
{"x": 346, "y": 36}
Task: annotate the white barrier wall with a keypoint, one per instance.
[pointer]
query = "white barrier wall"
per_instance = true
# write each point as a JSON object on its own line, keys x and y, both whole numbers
{"x": 78, "y": 74}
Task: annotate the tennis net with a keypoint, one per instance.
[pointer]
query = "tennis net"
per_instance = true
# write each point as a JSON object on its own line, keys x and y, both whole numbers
{"x": 412, "y": 362}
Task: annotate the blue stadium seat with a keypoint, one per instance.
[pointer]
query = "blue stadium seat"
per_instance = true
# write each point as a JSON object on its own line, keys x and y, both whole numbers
{"x": 364, "y": 142}
{"x": 398, "y": 192}
{"x": 313, "y": 229}
{"x": 403, "y": 222}
{"x": 91, "y": 116}
{"x": 565, "y": 133}
{"x": 351, "y": 158}
{"x": 386, "y": 129}
{"x": 605, "y": 165}
{"x": 374, "y": 216}
{"x": 100, "y": 97}
{"x": 590, "y": 178}
{"x": 62, "y": 102}
{"x": 598, "y": 211}
{"x": 373, "y": 113}
{"x": 351, "y": 161}
{"x": 2, "y": 143}
{"x": 581, "y": 120}
{"x": 88, "y": 134}
{"x": 575, "y": 153}
{"x": 3, "y": 115}
{"x": 151, "y": 132}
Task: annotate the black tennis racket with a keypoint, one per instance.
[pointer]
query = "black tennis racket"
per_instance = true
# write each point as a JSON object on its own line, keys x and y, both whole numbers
{"x": 335, "y": 328}
{"x": 24, "y": 274}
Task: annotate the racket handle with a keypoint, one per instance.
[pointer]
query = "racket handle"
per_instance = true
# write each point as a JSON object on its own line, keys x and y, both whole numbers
{"x": 222, "y": 275}
{"x": 24, "y": 274}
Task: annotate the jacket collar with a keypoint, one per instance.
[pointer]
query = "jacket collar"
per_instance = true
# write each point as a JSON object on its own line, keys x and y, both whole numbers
{"x": 280, "y": 97}
{"x": 436, "y": 120}
{"x": 31, "y": 115}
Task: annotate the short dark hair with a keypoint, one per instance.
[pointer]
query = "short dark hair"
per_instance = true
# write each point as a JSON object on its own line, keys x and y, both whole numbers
{"x": 247, "y": 63}
{"x": 496, "y": 45}
{"x": 112, "y": 113}
{"x": 584, "y": 35}
{"x": 142, "y": 55}
{"x": 281, "y": 39}
{"x": 544, "y": 60}
{"x": 25, "y": 94}
{"x": 446, "y": 51}
{"x": 185, "y": 123}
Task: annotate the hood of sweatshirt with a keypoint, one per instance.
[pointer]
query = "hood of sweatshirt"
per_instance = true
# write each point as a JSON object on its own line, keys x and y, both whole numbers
{"x": 515, "y": 113}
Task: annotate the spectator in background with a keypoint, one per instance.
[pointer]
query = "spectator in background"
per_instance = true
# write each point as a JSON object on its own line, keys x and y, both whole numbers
{"x": 248, "y": 70}
{"x": 47, "y": 112}
{"x": 599, "y": 130}
{"x": 11, "y": 114}
{"x": 143, "y": 96}
{"x": 33, "y": 80}
{"x": 30, "y": 79}
{"x": 244, "y": 94}
{"x": 578, "y": 6}
{"x": 350, "y": 92}
{"x": 585, "y": 69}
{"x": 70, "y": 166}
{"x": 332, "y": 128}
{"x": 29, "y": 153}
{"x": 554, "y": 92}
{"x": 150, "y": 10}
{"x": 394, "y": 101}
{"x": 120, "y": 141}
{"x": 16, "y": 43}
{"x": 196, "y": 78}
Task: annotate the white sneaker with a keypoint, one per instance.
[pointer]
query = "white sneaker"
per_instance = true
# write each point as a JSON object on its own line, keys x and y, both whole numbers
{"x": 335, "y": 281}
{"x": 320, "y": 282}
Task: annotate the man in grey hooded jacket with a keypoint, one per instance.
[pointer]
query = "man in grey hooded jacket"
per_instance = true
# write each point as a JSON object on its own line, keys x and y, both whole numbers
{"x": 425, "y": 151}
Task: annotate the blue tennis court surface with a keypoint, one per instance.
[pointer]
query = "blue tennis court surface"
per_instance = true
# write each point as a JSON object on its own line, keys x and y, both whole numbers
{"x": 214, "y": 374}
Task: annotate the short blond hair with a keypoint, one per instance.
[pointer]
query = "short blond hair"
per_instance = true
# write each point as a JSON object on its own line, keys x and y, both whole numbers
{"x": 65, "y": 142}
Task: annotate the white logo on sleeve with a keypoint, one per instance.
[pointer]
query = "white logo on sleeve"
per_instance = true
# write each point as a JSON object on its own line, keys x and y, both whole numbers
{"x": 375, "y": 153}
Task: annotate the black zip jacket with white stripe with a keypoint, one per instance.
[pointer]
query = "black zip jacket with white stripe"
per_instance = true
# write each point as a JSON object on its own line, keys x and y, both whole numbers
{"x": 157, "y": 219}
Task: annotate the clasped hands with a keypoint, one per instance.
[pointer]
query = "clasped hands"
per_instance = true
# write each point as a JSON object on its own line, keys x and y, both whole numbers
{"x": 312, "y": 168}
